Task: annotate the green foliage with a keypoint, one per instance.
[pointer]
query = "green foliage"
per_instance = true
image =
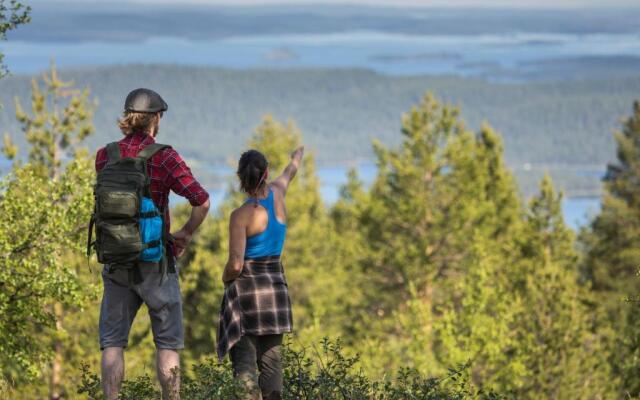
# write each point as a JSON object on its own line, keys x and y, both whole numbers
{"x": 38, "y": 229}
{"x": 437, "y": 264}
{"x": 12, "y": 14}
{"x": 60, "y": 122}
{"x": 441, "y": 190}
{"x": 524, "y": 321}
{"x": 45, "y": 204}
{"x": 612, "y": 245}
{"x": 480, "y": 326}
{"x": 454, "y": 270}
{"x": 325, "y": 375}
{"x": 557, "y": 334}
{"x": 328, "y": 374}
{"x": 211, "y": 380}
{"x": 438, "y": 188}
{"x": 615, "y": 256}
{"x": 141, "y": 387}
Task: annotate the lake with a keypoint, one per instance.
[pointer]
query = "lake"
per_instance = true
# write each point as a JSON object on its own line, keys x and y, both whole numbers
{"x": 500, "y": 57}
{"x": 577, "y": 211}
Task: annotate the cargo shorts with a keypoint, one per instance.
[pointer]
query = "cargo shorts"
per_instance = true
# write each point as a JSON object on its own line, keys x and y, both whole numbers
{"x": 121, "y": 300}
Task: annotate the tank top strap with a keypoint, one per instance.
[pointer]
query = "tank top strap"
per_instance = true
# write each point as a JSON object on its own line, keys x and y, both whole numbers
{"x": 268, "y": 203}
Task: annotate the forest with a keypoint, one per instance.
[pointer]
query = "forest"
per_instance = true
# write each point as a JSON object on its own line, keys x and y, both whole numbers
{"x": 557, "y": 126}
{"x": 554, "y": 122}
{"x": 437, "y": 282}
{"x": 439, "y": 268}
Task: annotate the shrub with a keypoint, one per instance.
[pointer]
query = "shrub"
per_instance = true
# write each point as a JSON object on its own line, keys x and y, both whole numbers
{"x": 327, "y": 374}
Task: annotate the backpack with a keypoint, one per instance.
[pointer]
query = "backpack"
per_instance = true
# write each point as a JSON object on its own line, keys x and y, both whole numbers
{"x": 128, "y": 225}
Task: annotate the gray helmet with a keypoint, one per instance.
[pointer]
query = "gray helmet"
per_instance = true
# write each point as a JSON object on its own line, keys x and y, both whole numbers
{"x": 145, "y": 101}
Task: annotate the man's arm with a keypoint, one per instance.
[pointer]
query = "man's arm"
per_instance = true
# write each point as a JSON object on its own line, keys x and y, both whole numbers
{"x": 182, "y": 182}
{"x": 282, "y": 182}
{"x": 237, "y": 245}
{"x": 183, "y": 236}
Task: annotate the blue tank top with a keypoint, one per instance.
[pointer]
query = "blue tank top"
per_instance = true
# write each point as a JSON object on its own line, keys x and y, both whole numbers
{"x": 271, "y": 240}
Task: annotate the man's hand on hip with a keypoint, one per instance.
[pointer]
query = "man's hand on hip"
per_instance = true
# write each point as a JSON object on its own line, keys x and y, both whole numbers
{"x": 181, "y": 240}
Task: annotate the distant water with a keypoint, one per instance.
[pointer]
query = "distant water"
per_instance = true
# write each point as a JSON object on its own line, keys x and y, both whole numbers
{"x": 577, "y": 211}
{"x": 495, "y": 56}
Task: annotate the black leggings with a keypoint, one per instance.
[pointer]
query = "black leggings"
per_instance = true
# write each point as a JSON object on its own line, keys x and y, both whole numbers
{"x": 259, "y": 353}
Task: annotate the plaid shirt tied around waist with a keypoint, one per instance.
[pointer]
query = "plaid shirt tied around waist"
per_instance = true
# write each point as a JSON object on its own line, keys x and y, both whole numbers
{"x": 255, "y": 303}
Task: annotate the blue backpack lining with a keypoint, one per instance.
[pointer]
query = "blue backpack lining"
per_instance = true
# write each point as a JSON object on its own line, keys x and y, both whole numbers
{"x": 150, "y": 230}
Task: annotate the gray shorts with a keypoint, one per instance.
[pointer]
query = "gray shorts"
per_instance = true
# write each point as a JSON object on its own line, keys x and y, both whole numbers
{"x": 120, "y": 303}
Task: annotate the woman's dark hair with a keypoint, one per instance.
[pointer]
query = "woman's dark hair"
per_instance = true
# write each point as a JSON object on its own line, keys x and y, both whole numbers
{"x": 251, "y": 169}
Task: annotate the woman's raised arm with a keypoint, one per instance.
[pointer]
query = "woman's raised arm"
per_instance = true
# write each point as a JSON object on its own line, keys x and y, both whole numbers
{"x": 282, "y": 182}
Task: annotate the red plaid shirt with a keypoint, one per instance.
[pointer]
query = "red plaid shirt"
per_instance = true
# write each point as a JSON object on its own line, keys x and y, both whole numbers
{"x": 167, "y": 171}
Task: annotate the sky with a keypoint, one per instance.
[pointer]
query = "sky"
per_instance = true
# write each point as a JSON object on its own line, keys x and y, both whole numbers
{"x": 393, "y": 3}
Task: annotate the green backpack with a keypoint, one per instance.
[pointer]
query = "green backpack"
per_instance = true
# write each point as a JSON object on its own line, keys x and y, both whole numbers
{"x": 129, "y": 228}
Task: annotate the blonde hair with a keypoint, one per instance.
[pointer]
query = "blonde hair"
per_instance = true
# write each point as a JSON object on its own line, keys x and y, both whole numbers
{"x": 133, "y": 122}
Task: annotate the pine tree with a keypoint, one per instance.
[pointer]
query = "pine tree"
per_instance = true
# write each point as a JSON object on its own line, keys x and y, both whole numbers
{"x": 480, "y": 327}
{"x": 349, "y": 252}
{"x": 613, "y": 253}
{"x": 443, "y": 187}
{"x": 564, "y": 354}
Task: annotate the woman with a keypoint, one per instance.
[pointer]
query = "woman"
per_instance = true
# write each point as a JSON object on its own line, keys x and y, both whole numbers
{"x": 256, "y": 309}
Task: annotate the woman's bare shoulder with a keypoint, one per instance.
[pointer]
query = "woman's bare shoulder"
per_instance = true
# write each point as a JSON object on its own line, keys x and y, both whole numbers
{"x": 242, "y": 213}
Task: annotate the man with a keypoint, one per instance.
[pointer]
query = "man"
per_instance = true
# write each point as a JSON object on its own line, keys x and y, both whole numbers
{"x": 123, "y": 297}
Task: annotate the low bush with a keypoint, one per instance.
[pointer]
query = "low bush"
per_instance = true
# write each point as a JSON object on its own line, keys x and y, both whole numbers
{"x": 309, "y": 374}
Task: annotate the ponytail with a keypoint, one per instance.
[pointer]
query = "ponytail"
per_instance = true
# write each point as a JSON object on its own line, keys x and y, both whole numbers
{"x": 252, "y": 171}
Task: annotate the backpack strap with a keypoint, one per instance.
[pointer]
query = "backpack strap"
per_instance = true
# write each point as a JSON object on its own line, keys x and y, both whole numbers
{"x": 146, "y": 154}
{"x": 90, "y": 244}
{"x": 151, "y": 149}
{"x": 113, "y": 152}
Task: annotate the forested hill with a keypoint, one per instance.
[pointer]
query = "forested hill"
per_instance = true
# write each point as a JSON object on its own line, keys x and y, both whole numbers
{"x": 213, "y": 111}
